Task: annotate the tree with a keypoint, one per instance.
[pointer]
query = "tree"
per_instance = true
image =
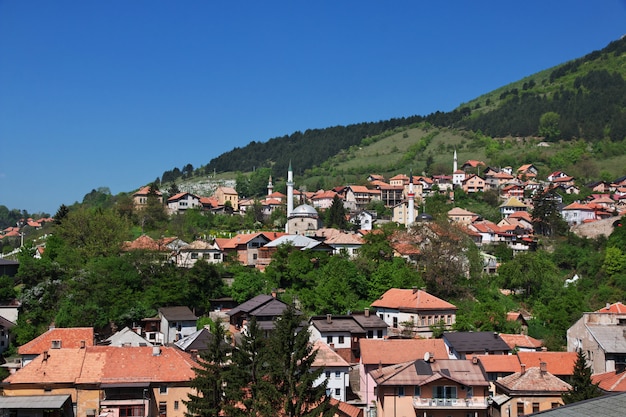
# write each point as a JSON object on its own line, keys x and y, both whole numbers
{"x": 336, "y": 214}
{"x": 582, "y": 386}
{"x": 210, "y": 378}
{"x": 546, "y": 217}
{"x": 291, "y": 379}
{"x": 549, "y": 125}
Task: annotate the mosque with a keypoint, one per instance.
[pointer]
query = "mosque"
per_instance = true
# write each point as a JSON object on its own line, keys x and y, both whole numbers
{"x": 304, "y": 219}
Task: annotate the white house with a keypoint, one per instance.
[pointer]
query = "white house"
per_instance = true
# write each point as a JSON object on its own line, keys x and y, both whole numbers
{"x": 336, "y": 371}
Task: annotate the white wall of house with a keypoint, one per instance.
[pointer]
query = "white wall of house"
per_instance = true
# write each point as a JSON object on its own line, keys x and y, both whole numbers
{"x": 337, "y": 381}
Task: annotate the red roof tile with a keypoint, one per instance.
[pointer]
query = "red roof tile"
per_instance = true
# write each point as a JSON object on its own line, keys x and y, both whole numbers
{"x": 616, "y": 308}
{"x": 394, "y": 351}
{"x": 610, "y": 381}
{"x": 411, "y": 299}
{"x": 72, "y": 337}
{"x": 558, "y": 363}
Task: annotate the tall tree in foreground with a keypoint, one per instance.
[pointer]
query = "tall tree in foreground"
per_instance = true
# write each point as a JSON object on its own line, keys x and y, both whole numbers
{"x": 210, "y": 378}
{"x": 582, "y": 386}
{"x": 290, "y": 358}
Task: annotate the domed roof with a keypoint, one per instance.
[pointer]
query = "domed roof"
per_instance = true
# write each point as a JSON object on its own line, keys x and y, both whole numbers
{"x": 304, "y": 210}
{"x": 424, "y": 217}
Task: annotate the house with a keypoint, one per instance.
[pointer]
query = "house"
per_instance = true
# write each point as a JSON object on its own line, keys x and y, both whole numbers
{"x": 400, "y": 213}
{"x": 188, "y": 255}
{"x": 521, "y": 342}
{"x": 344, "y": 333}
{"x": 264, "y": 308}
{"x": 463, "y": 345}
{"x": 140, "y": 198}
{"x": 104, "y": 381}
{"x": 5, "y": 334}
{"x": 196, "y": 342}
{"x": 610, "y": 381}
{"x": 529, "y": 391}
{"x": 517, "y": 317}
{"x": 299, "y": 242}
{"x": 336, "y": 371}
{"x": 227, "y": 196}
{"x": 512, "y": 205}
{"x": 245, "y": 246}
{"x": 56, "y": 338}
{"x": 446, "y": 387}
{"x": 181, "y": 202}
{"x": 359, "y": 196}
{"x": 390, "y": 195}
{"x": 127, "y": 337}
{"x": 601, "y": 335}
{"x": 323, "y": 200}
{"x": 577, "y": 213}
{"x": 527, "y": 171}
{"x": 462, "y": 216}
{"x": 346, "y": 243}
{"x": 473, "y": 184}
{"x": 376, "y": 353}
{"x": 8, "y": 267}
{"x": 606, "y": 406}
{"x": 497, "y": 366}
{"x": 171, "y": 324}
{"x": 414, "y": 311}
{"x": 559, "y": 364}
{"x": 364, "y": 219}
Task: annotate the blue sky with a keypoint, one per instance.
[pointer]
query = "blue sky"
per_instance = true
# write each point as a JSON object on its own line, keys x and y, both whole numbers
{"x": 113, "y": 93}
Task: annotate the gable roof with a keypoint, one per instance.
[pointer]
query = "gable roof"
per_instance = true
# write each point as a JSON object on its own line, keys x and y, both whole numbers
{"x": 610, "y": 381}
{"x": 393, "y": 351}
{"x": 533, "y": 380}
{"x": 126, "y": 335}
{"x": 520, "y": 340}
{"x": 610, "y": 338}
{"x": 499, "y": 363}
{"x": 615, "y": 308}
{"x": 327, "y": 357}
{"x": 475, "y": 341}
{"x": 411, "y": 299}
{"x": 71, "y": 337}
{"x": 557, "y": 363}
{"x": 421, "y": 372}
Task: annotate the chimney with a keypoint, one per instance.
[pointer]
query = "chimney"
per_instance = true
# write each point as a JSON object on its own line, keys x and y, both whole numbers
{"x": 608, "y": 306}
{"x": 274, "y": 293}
{"x": 414, "y": 290}
{"x": 82, "y": 344}
{"x": 523, "y": 366}
{"x": 543, "y": 367}
{"x": 329, "y": 318}
{"x": 45, "y": 355}
{"x": 367, "y": 312}
{"x": 194, "y": 354}
{"x": 495, "y": 335}
{"x": 380, "y": 365}
{"x": 474, "y": 360}
{"x": 156, "y": 350}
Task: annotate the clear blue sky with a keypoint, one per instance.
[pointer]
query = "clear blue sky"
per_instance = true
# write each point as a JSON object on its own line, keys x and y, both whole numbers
{"x": 113, "y": 93}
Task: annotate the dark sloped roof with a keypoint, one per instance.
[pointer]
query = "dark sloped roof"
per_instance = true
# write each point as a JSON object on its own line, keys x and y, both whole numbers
{"x": 475, "y": 341}
{"x": 251, "y": 304}
{"x": 336, "y": 324}
{"x": 180, "y": 313}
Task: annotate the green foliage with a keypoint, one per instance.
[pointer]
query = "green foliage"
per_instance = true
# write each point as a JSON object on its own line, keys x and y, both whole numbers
{"x": 336, "y": 215}
{"x": 582, "y": 386}
{"x": 549, "y": 125}
{"x": 531, "y": 272}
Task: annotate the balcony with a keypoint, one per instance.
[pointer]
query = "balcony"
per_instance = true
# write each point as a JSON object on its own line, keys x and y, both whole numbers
{"x": 479, "y": 403}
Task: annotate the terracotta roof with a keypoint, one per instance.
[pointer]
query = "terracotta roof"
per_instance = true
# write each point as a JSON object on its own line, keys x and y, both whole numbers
{"x": 420, "y": 372}
{"x": 610, "y": 381}
{"x": 227, "y": 190}
{"x": 394, "y": 351}
{"x": 345, "y": 239}
{"x": 499, "y": 363}
{"x": 520, "y": 340}
{"x": 457, "y": 211}
{"x": 533, "y": 380}
{"x": 411, "y": 299}
{"x": 327, "y": 357}
{"x": 363, "y": 189}
{"x": 346, "y": 410}
{"x": 558, "y": 363}
{"x": 618, "y": 308}
{"x": 72, "y": 337}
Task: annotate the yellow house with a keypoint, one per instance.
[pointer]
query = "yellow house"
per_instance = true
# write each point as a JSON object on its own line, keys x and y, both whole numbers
{"x": 224, "y": 194}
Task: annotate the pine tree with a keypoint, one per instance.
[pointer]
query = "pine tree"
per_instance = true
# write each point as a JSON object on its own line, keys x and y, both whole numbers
{"x": 209, "y": 381}
{"x": 582, "y": 386}
{"x": 290, "y": 357}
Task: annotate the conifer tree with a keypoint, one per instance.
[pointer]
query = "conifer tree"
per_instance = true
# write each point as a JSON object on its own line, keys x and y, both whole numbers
{"x": 209, "y": 381}
{"x": 582, "y": 386}
{"x": 290, "y": 357}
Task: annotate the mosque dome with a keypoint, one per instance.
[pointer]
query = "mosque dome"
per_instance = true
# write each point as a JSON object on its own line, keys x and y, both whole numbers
{"x": 304, "y": 211}
{"x": 424, "y": 217}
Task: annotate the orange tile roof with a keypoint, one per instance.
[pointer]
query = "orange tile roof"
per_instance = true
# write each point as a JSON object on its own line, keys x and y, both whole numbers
{"x": 558, "y": 363}
{"x": 520, "y": 340}
{"x": 394, "y": 351}
{"x": 499, "y": 363}
{"x": 71, "y": 337}
{"x": 411, "y": 299}
{"x": 107, "y": 365}
{"x": 363, "y": 189}
{"x": 610, "y": 381}
{"x": 618, "y": 308}
{"x": 327, "y": 357}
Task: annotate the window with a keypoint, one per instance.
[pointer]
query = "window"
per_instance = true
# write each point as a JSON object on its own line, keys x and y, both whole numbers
{"x": 131, "y": 410}
{"x": 445, "y": 392}
{"x": 194, "y": 255}
{"x": 217, "y": 256}
{"x": 535, "y": 407}
{"x": 337, "y": 374}
{"x": 175, "y": 405}
{"x": 400, "y": 391}
{"x": 338, "y": 392}
{"x": 327, "y": 374}
{"x": 379, "y": 334}
{"x": 163, "y": 389}
{"x": 254, "y": 256}
{"x": 162, "y": 409}
{"x": 340, "y": 340}
{"x": 395, "y": 322}
{"x": 520, "y": 409}
{"x": 417, "y": 392}
{"x": 555, "y": 405}
{"x": 329, "y": 339}
{"x": 370, "y": 334}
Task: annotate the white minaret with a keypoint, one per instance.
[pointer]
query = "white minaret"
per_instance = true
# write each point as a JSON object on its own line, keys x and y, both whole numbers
{"x": 455, "y": 166}
{"x": 411, "y": 212}
{"x": 270, "y": 187}
{"x": 289, "y": 191}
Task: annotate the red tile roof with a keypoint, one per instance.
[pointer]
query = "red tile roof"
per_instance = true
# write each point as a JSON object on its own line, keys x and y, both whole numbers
{"x": 394, "y": 351}
{"x": 533, "y": 380}
{"x": 610, "y": 381}
{"x": 72, "y": 337}
{"x": 616, "y": 308}
{"x": 520, "y": 340}
{"x": 411, "y": 299}
{"x": 499, "y": 363}
{"x": 558, "y": 363}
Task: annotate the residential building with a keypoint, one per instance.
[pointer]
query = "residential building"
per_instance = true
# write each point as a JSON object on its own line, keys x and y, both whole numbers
{"x": 462, "y": 216}
{"x": 473, "y": 184}
{"x": 359, "y": 196}
{"x": 127, "y": 337}
{"x": 522, "y": 342}
{"x": 344, "y": 332}
{"x": 464, "y": 345}
{"x": 208, "y": 252}
{"x": 245, "y": 246}
{"x": 104, "y": 381}
{"x": 529, "y": 391}
{"x": 336, "y": 372}
{"x": 577, "y": 213}
{"x": 376, "y": 353}
{"x": 345, "y": 243}
{"x": 601, "y": 335}
{"x": 512, "y": 205}
{"x": 414, "y": 311}
{"x": 605, "y": 406}
{"x": 445, "y": 387}
{"x": 140, "y": 198}
{"x": 227, "y": 196}
{"x": 56, "y": 338}
{"x": 171, "y": 324}
{"x": 181, "y": 202}
{"x": 264, "y": 308}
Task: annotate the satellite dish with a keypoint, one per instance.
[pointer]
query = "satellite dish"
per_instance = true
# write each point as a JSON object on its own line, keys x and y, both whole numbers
{"x": 426, "y": 357}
